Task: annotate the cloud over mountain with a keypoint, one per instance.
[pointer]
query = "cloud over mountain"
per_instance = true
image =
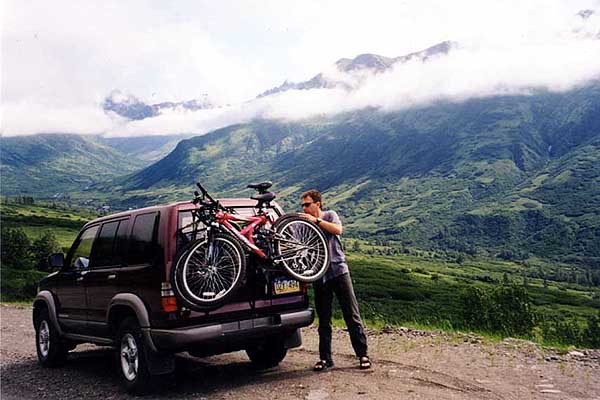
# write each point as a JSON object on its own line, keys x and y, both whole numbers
{"x": 59, "y": 71}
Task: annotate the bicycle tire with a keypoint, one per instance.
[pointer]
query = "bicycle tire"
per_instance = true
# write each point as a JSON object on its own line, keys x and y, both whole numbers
{"x": 301, "y": 248}
{"x": 202, "y": 285}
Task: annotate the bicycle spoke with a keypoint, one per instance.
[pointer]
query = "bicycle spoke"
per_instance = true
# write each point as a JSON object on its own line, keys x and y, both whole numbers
{"x": 212, "y": 270}
{"x": 302, "y": 250}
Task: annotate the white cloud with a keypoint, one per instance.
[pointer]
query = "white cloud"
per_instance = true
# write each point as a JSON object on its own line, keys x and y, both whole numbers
{"x": 31, "y": 118}
{"x": 61, "y": 59}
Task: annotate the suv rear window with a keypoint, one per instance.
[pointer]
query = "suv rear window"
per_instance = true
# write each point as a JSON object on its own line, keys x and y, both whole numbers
{"x": 142, "y": 240}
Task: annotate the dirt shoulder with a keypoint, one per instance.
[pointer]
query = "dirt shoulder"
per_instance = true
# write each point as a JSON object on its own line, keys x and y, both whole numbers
{"x": 408, "y": 364}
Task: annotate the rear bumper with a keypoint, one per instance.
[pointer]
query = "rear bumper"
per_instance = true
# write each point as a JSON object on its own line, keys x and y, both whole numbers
{"x": 181, "y": 339}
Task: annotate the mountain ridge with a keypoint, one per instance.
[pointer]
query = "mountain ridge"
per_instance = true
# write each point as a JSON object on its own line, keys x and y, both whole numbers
{"x": 132, "y": 108}
{"x": 363, "y": 62}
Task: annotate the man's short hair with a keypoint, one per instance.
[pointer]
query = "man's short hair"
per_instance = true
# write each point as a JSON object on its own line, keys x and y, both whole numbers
{"x": 315, "y": 195}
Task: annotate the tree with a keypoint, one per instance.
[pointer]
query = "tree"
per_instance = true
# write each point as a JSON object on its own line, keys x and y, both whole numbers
{"x": 15, "y": 248}
{"x": 356, "y": 246}
{"x": 44, "y": 245}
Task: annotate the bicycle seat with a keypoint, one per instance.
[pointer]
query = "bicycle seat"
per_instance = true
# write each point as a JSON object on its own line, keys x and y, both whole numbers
{"x": 264, "y": 197}
{"x": 261, "y": 187}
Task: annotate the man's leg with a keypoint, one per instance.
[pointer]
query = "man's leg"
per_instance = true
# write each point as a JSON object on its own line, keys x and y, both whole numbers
{"x": 323, "y": 303}
{"x": 347, "y": 299}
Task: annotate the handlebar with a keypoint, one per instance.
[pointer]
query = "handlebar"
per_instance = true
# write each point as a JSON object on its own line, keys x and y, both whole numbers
{"x": 206, "y": 199}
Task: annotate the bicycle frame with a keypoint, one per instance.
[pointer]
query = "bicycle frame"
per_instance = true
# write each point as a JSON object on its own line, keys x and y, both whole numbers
{"x": 246, "y": 235}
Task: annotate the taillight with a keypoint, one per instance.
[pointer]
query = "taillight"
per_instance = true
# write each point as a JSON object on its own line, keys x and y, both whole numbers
{"x": 167, "y": 297}
{"x": 304, "y": 287}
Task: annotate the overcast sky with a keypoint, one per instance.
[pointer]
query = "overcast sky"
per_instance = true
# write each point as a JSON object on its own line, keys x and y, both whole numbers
{"x": 61, "y": 59}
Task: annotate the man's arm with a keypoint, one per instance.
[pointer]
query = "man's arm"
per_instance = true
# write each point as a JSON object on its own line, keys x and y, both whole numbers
{"x": 331, "y": 227}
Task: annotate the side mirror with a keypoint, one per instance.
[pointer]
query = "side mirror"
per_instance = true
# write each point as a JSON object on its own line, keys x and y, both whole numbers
{"x": 56, "y": 260}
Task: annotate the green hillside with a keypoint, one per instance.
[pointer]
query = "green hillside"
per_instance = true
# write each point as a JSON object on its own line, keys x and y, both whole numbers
{"x": 34, "y": 219}
{"x": 512, "y": 176}
{"x": 44, "y": 165}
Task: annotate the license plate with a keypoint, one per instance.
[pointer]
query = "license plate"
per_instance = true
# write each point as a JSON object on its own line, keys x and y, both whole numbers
{"x": 283, "y": 286}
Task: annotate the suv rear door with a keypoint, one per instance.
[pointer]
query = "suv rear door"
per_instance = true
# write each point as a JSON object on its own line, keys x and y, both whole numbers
{"x": 140, "y": 273}
{"x": 258, "y": 295}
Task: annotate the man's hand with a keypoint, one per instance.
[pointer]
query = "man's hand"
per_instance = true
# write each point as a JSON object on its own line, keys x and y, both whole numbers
{"x": 308, "y": 217}
{"x": 330, "y": 227}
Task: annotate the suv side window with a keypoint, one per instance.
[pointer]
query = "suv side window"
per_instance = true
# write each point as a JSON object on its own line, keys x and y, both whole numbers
{"x": 120, "y": 248}
{"x": 142, "y": 240}
{"x": 80, "y": 258}
{"x": 103, "y": 247}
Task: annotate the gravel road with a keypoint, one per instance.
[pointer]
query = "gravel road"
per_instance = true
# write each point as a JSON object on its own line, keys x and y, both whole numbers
{"x": 408, "y": 364}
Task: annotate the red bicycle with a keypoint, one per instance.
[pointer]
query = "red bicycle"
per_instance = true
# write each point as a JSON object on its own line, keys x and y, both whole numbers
{"x": 210, "y": 269}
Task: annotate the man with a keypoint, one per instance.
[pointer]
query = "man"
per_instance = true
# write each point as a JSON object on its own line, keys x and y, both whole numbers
{"x": 336, "y": 280}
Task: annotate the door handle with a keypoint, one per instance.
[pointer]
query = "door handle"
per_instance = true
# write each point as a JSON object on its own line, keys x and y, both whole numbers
{"x": 112, "y": 276}
{"x": 81, "y": 276}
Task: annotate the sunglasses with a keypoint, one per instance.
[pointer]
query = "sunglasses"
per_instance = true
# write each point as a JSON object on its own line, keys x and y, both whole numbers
{"x": 304, "y": 205}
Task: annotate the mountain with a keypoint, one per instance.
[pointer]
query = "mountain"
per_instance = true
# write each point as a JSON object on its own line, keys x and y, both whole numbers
{"x": 372, "y": 63}
{"x": 519, "y": 174}
{"x": 47, "y": 164}
{"x": 132, "y": 108}
{"x": 144, "y": 148}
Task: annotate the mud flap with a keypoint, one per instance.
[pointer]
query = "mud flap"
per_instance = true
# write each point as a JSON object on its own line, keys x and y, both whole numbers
{"x": 293, "y": 340}
{"x": 159, "y": 363}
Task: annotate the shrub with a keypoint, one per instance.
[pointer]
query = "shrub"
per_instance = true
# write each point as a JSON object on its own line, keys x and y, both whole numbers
{"x": 505, "y": 309}
{"x": 592, "y": 332}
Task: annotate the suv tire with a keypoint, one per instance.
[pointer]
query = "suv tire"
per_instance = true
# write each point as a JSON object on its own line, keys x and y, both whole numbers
{"x": 51, "y": 350}
{"x": 268, "y": 354}
{"x": 132, "y": 361}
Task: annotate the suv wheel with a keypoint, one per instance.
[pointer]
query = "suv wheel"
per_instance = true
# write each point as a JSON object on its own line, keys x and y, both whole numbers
{"x": 268, "y": 354}
{"x": 51, "y": 351}
{"x": 132, "y": 361}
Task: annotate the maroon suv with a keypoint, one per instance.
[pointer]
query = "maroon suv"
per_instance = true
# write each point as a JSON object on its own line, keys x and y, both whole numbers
{"x": 113, "y": 288}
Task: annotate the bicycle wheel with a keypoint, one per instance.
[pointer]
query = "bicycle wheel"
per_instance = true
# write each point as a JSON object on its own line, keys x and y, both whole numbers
{"x": 301, "y": 247}
{"x": 209, "y": 272}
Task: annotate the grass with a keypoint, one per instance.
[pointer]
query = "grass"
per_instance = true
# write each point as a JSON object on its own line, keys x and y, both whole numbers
{"x": 400, "y": 290}
{"x": 63, "y": 221}
{"x": 417, "y": 290}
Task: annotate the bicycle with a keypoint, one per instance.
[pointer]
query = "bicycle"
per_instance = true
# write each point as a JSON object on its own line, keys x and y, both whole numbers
{"x": 210, "y": 269}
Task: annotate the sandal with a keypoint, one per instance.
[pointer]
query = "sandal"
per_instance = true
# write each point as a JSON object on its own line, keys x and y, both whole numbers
{"x": 322, "y": 365}
{"x": 364, "y": 362}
